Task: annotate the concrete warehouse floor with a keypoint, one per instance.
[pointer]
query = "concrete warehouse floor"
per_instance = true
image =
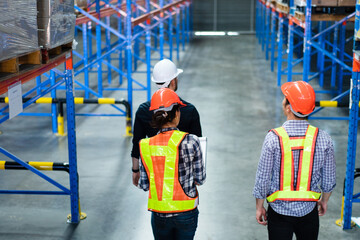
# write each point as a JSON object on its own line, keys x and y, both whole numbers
{"x": 230, "y": 83}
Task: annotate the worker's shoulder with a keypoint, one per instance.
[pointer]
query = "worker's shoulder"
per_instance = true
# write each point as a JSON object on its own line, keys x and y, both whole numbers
{"x": 189, "y": 106}
{"x": 323, "y": 134}
{"x": 144, "y": 106}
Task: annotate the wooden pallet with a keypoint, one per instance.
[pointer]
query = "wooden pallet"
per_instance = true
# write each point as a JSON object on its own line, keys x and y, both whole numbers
{"x": 48, "y": 54}
{"x": 282, "y": 7}
{"x": 322, "y": 17}
{"x": 14, "y": 65}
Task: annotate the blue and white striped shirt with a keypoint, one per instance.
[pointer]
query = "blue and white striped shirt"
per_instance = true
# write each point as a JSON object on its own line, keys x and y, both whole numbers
{"x": 268, "y": 172}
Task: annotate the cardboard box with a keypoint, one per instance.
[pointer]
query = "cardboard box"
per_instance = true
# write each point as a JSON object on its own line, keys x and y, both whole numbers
{"x": 325, "y": 3}
{"x": 346, "y": 3}
{"x": 56, "y": 22}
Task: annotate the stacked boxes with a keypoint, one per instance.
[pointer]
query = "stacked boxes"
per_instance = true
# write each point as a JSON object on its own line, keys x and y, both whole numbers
{"x": 56, "y": 22}
{"x": 18, "y": 28}
{"x": 346, "y": 3}
{"x": 327, "y": 3}
{"x": 81, "y": 3}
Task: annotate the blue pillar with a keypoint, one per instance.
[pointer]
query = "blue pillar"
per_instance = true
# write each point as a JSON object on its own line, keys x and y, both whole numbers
{"x": 280, "y": 46}
{"x": 148, "y": 52}
{"x": 85, "y": 59}
{"x": 307, "y": 37}
{"x": 53, "y": 105}
{"x": 273, "y": 37}
{"x": 128, "y": 51}
{"x": 70, "y": 113}
{"x": 98, "y": 51}
{"x": 290, "y": 51}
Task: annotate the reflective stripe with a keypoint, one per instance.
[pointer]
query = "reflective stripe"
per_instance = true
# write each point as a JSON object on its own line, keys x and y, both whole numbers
{"x": 42, "y": 165}
{"x": 328, "y": 103}
{"x": 294, "y": 196}
{"x": 106, "y": 100}
{"x": 2, "y": 165}
{"x": 307, "y": 145}
{"x": 163, "y": 176}
{"x": 78, "y": 100}
{"x": 44, "y": 100}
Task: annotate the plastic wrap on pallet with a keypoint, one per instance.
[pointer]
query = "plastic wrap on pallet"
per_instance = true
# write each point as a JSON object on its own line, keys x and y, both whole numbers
{"x": 81, "y": 3}
{"x": 18, "y": 28}
{"x": 56, "y": 30}
{"x": 56, "y": 21}
{"x": 48, "y": 8}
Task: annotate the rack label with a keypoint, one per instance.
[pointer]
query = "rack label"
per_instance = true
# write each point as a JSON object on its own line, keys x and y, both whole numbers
{"x": 15, "y": 99}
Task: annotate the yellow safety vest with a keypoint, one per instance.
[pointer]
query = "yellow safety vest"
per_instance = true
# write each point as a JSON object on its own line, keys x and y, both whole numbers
{"x": 160, "y": 157}
{"x": 287, "y": 191}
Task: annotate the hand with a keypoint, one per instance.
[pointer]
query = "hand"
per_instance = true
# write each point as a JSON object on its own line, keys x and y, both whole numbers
{"x": 322, "y": 203}
{"x": 322, "y": 207}
{"x": 261, "y": 216}
{"x": 135, "y": 178}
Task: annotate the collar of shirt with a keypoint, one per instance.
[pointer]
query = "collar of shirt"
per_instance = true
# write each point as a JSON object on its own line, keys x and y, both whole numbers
{"x": 297, "y": 123}
{"x": 167, "y": 129}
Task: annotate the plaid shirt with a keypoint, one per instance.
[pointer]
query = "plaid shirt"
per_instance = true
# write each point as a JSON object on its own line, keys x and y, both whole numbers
{"x": 268, "y": 172}
{"x": 191, "y": 167}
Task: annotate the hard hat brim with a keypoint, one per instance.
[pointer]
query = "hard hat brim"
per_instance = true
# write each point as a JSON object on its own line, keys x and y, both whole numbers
{"x": 178, "y": 72}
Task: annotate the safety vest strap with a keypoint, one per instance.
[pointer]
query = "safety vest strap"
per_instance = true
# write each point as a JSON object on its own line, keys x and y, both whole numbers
{"x": 294, "y": 196}
{"x": 306, "y": 143}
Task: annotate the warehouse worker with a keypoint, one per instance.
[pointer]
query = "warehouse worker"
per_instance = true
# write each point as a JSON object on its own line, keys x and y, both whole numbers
{"x": 296, "y": 171}
{"x": 171, "y": 166}
{"x": 165, "y": 75}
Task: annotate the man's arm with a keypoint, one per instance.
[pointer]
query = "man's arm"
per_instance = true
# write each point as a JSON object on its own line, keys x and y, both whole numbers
{"x": 135, "y": 175}
{"x": 195, "y": 127}
{"x": 261, "y": 217}
{"x": 328, "y": 178}
{"x": 198, "y": 163}
{"x": 138, "y": 134}
{"x": 263, "y": 177}
{"x": 322, "y": 203}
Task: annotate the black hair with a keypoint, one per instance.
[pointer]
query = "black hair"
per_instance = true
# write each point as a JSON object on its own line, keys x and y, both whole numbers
{"x": 287, "y": 103}
{"x": 160, "y": 118}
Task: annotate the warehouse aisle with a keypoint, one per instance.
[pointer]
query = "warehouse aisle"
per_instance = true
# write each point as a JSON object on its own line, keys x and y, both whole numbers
{"x": 231, "y": 85}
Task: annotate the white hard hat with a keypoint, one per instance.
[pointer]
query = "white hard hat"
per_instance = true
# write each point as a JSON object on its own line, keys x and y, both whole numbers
{"x": 165, "y": 71}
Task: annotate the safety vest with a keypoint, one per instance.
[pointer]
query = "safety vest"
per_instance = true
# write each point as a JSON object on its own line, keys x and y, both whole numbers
{"x": 306, "y": 145}
{"x": 160, "y": 157}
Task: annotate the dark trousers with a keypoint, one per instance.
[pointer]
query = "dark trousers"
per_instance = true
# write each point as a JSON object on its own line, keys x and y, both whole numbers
{"x": 281, "y": 227}
{"x": 180, "y": 227}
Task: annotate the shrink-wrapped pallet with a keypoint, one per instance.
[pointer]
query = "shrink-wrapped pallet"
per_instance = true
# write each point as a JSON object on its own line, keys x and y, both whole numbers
{"x": 56, "y": 21}
{"x": 81, "y": 3}
{"x": 317, "y": 3}
{"x": 18, "y": 28}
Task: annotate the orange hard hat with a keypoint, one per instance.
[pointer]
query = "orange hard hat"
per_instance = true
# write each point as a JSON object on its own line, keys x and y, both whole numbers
{"x": 301, "y": 97}
{"x": 164, "y": 99}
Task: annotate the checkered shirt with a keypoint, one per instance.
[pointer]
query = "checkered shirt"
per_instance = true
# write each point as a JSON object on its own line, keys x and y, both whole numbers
{"x": 191, "y": 167}
{"x": 268, "y": 172}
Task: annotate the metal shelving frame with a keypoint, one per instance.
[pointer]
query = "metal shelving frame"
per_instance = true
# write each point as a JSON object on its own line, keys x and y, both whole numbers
{"x": 73, "y": 192}
{"x": 140, "y": 25}
{"x": 327, "y": 40}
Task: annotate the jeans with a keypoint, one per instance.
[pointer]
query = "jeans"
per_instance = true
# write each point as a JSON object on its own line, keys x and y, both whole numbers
{"x": 281, "y": 227}
{"x": 180, "y": 227}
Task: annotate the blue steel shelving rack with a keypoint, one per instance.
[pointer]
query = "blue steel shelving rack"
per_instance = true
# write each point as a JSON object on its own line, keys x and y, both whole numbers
{"x": 349, "y": 196}
{"x": 138, "y": 22}
{"x": 73, "y": 192}
{"x": 327, "y": 40}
